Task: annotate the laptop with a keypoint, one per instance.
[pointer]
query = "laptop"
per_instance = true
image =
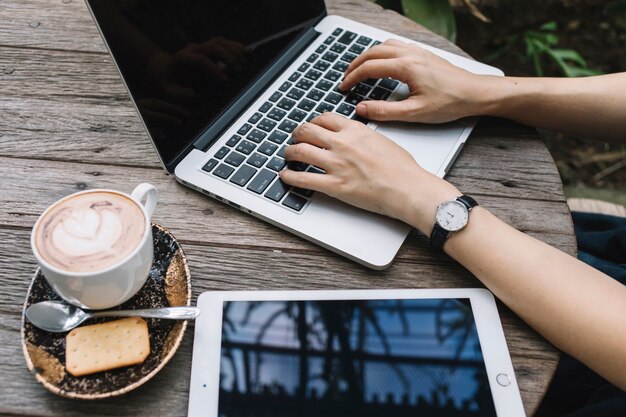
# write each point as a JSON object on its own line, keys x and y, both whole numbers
{"x": 220, "y": 86}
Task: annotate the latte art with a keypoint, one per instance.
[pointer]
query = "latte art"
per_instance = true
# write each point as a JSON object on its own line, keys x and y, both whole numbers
{"x": 90, "y": 232}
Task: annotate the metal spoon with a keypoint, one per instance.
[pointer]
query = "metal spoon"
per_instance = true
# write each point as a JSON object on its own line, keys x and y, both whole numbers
{"x": 55, "y": 316}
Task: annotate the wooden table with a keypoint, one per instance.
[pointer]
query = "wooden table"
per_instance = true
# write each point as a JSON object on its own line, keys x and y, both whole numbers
{"x": 66, "y": 124}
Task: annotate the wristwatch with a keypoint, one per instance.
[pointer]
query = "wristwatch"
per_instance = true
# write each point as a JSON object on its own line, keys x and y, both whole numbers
{"x": 451, "y": 216}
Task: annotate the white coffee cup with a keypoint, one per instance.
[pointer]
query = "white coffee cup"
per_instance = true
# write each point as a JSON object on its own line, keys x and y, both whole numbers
{"x": 117, "y": 282}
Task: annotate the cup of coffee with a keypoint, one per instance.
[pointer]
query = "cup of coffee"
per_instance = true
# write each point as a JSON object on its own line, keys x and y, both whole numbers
{"x": 95, "y": 247}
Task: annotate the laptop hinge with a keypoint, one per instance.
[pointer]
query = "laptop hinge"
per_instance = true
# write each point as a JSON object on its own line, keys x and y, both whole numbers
{"x": 206, "y": 138}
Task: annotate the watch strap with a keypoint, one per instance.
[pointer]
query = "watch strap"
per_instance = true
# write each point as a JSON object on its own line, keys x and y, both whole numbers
{"x": 439, "y": 235}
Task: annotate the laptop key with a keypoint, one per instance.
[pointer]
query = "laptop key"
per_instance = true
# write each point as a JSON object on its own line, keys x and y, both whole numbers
{"x": 266, "y": 124}
{"x": 324, "y": 107}
{"x": 257, "y": 160}
{"x": 243, "y": 175}
{"x": 277, "y": 191}
{"x": 294, "y": 201}
{"x": 333, "y": 98}
{"x": 347, "y": 38}
{"x": 233, "y": 140}
{"x": 313, "y": 75}
{"x": 332, "y": 75}
{"x": 222, "y": 152}
{"x": 329, "y": 40}
{"x": 315, "y": 95}
{"x": 353, "y": 99}
{"x": 324, "y": 85}
{"x": 312, "y": 116}
{"x": 276, "y": 114}
{"x": 244, "y": 129}
{"x": 337, "y": 32}
{"x": 303, "y": 192}
{"x": 286, "y": 104}
{"x": 312, "y": 58}
{"x": 297, "y": 115}
{"x": 357, "y": 49}
{"x": 276, "y": 164}
{"x": 361, "y": 89}
{"x": 303, "y": 67}
{"x": 255, "y": 118}
{"x": 223, "y": 171}
{"x": 364, "y": 40}
{"x": 370, "y": 81}
{"x": 321, "y": 65}
{"x": 388, "y": 83}
{"x": 246, "y": 147}
{"x": 360, "y": 119}
{"x": 330, "y": 56}
{"x": 285, "y": 86}
{"x": 265, "y": 107}
{"x": 256, "y": 135}
{"x": 306, "y": 105}
{"x": 295, "y": 94}
{"x": 348, "y": 57}
{"x": 261, "y": 181}
{"x": 235, "y": 159}
{"x": 274, "y": 98}
{"x": 298, "y": 166}
{"x": 341, "y": 66}
{"x": 209, "y": 165}
{"x": 304, "y": 84}
{"x": 345, "y": 109}
{"x": 278, "y": 137}
{"x": 338, "y": 48}
{"x": 320, "y": 49}
{"x": 267, "y": 148}
{"x": 288, "y": 126}
{"x": 280, "y": 153}
{"x": 379, "y": 94}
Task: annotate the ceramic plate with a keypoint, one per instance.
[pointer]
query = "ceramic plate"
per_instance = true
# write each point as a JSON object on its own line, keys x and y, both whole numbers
{"x": 169, "y": 284}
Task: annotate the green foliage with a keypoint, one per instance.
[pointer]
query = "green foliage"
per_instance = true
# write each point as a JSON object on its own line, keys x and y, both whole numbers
{"x": 543, "y": 43}
{"x": 436, "y": 15}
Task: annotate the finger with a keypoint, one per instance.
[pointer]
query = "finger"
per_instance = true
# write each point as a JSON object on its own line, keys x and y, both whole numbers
{"x": 309, "y": 154}
{"x": 386, "y": 110}
{"x": 314, "y": 135}
{"x": 331, "y": 121}
{"x": 381, "y": 51}
{"x": 306, "y": 180}
{"x": 395, "y": 68}
{"x": 395, "y": 42}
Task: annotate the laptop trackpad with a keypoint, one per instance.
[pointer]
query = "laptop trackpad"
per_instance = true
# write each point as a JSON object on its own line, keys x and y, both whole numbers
{"x": 430, "y": 145}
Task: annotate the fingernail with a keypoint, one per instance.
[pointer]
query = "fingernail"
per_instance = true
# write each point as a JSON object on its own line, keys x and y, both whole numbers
{"x": 361, "y": 109}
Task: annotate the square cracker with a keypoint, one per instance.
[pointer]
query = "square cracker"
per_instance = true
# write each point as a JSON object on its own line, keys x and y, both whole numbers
{"x": 105, "y": 346}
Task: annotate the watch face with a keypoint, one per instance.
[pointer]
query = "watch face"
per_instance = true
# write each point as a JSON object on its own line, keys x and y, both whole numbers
{"x": 452, "y": 216}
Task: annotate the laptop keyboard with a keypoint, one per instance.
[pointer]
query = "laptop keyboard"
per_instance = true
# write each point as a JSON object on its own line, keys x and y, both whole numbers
{"x": 253, "y": 156}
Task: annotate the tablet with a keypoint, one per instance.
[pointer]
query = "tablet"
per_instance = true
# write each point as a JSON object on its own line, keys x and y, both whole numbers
{"x": 351, "y": 353}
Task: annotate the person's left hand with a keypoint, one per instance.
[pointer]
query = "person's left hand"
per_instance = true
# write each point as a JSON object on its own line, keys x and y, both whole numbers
{"x": 365, "y": 169}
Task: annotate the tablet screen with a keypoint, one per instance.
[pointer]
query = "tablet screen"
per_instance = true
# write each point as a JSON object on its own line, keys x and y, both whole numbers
{"x": 352, "y": 358}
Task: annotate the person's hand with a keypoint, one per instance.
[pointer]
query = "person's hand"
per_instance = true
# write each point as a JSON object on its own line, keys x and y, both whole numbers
{"x": 439, "y": 91}
{"x": 365, "y": 169}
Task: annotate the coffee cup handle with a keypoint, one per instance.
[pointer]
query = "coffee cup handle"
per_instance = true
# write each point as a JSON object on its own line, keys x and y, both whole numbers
{"x": 149, "y": 193}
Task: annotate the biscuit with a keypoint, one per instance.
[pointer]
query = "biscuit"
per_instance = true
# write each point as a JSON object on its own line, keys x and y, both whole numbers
{"x": 105, "y": 346}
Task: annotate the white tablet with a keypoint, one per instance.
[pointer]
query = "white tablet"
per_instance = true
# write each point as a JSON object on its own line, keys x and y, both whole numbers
{"x": 351, "y": 353}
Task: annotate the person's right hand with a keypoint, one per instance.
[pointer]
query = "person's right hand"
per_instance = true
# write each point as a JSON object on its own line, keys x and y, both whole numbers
{"x": 439, "y": 91}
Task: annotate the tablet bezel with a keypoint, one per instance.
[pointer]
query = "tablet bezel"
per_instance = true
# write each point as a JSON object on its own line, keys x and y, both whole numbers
{"x": 204, "y": 385}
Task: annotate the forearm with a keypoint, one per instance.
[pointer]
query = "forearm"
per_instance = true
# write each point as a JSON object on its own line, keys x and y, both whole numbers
{"x": 577, "y": 308}
{"x": 591, "y": 107}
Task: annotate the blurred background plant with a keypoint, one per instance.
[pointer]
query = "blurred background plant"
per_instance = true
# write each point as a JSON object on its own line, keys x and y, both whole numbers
{"x": 553, "y": 38}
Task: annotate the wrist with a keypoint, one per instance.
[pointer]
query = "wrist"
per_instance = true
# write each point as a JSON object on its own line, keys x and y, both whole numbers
{"x": 420, "y": 199}
{"x": 507, "y": 96}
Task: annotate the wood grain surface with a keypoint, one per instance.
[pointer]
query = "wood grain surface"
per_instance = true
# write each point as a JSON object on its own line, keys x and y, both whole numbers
{"x": 66, "y": 124}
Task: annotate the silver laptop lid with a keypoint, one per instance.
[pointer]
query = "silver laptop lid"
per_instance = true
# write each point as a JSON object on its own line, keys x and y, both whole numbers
{"x": 184, "y": 61}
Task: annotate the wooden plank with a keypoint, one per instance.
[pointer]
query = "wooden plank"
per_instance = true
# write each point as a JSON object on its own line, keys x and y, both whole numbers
{"x": 193, "y": 217}
{"x": 235, "y": 269}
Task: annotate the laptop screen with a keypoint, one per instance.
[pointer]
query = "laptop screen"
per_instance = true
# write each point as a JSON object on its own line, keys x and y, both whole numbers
{"x": 184, "y": 61}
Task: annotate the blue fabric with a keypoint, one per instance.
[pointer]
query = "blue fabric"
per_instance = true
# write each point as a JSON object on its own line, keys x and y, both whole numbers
{"x": 577, "y": 391}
